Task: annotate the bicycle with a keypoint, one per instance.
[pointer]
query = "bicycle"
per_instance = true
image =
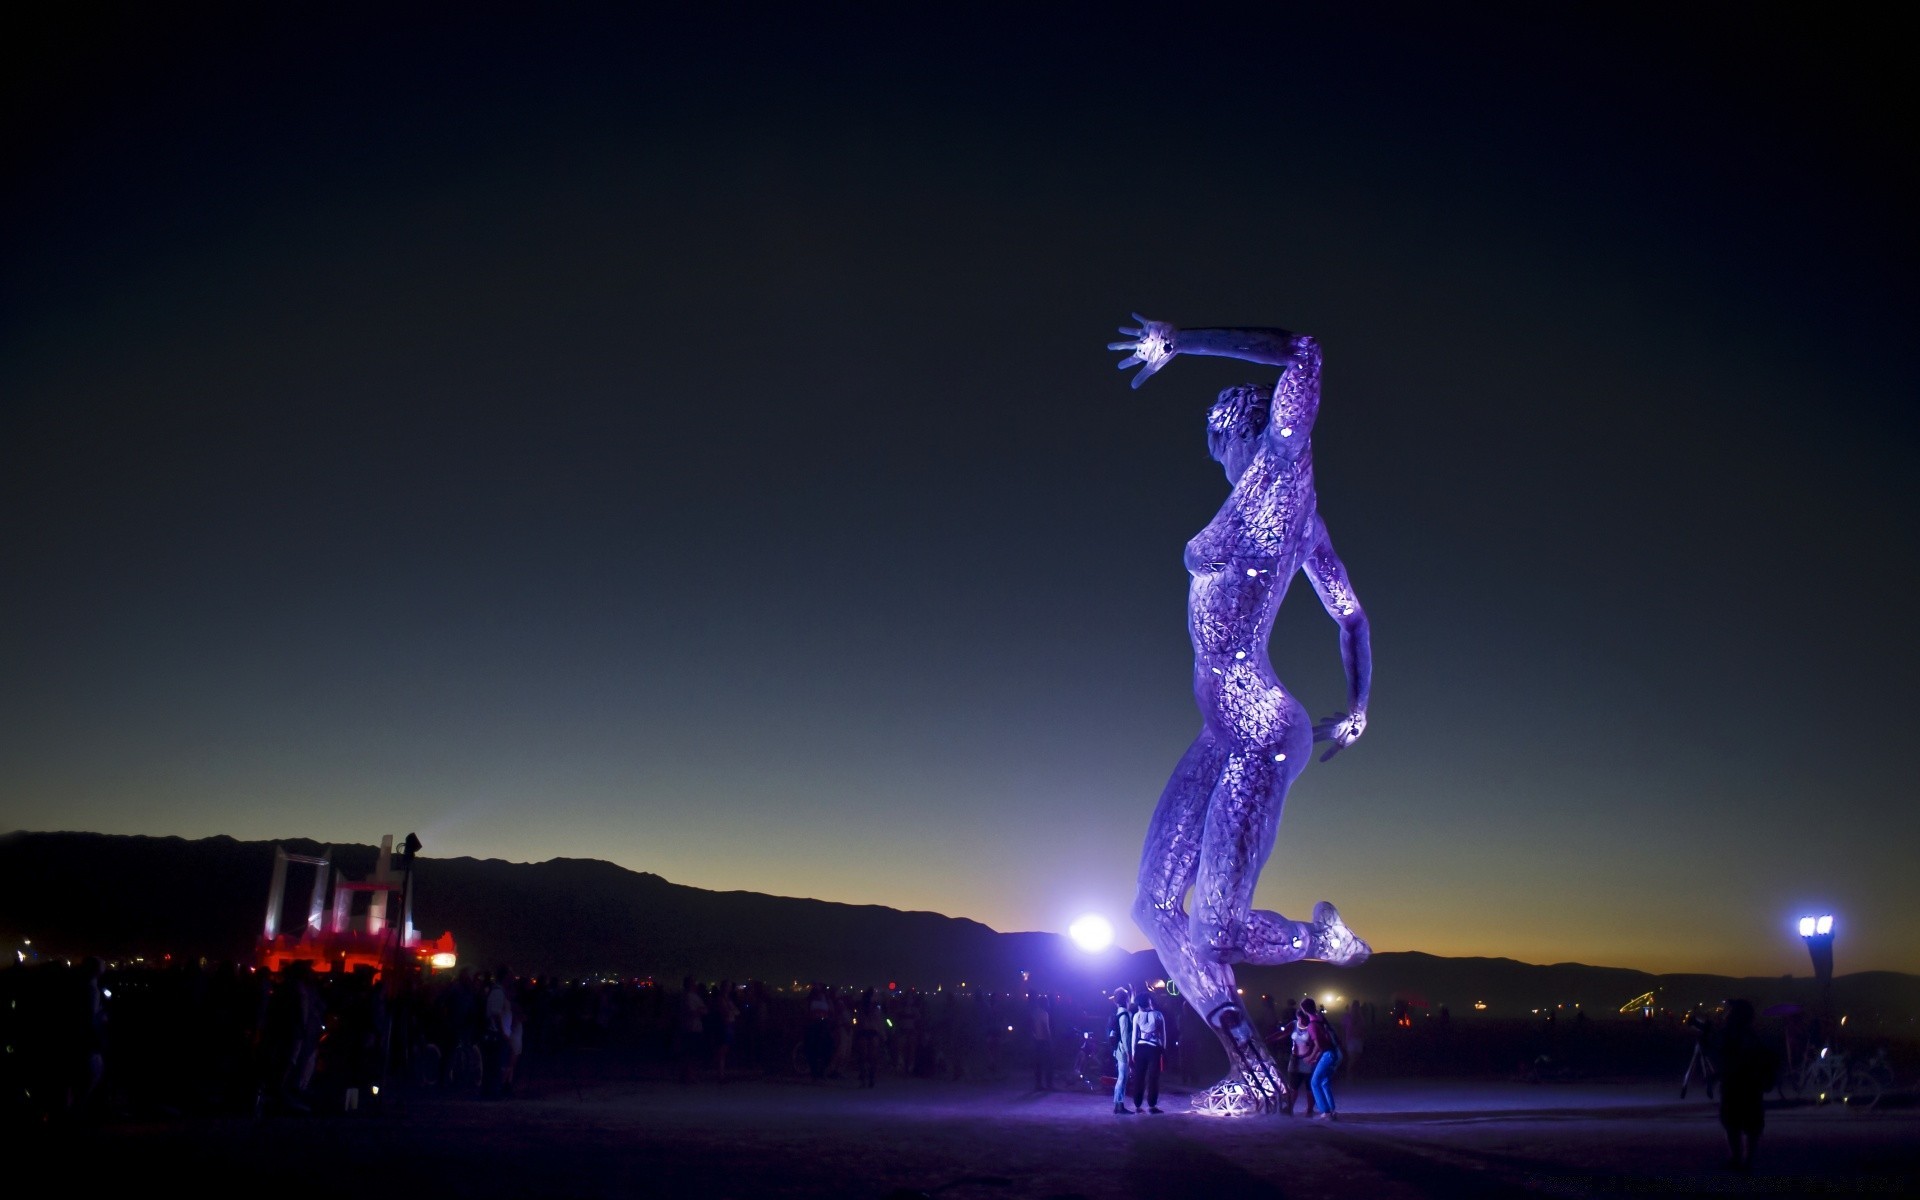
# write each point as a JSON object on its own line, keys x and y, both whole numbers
{"x": 1092, "y": 1065}
{"x": 1867, "y": 1081}
{"x": 1828, "y": 1076}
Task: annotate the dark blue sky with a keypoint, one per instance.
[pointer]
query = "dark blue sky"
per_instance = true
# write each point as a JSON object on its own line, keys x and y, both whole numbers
{"x": 687, "y": 441}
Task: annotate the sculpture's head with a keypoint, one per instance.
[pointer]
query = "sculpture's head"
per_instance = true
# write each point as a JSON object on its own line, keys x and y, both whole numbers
{"x": 1234, "y": 425}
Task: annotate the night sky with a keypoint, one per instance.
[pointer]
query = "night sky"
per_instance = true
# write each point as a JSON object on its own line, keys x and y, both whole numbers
{"x": 687, "y": 440}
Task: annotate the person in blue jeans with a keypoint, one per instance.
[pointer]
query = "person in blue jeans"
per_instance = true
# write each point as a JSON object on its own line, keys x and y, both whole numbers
{"x": 1326, "y": 1058}
{"x": 1120, "y": 1036}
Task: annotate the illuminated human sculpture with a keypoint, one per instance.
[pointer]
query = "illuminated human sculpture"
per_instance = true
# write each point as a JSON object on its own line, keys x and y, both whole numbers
{"x": 1215, "y": 824}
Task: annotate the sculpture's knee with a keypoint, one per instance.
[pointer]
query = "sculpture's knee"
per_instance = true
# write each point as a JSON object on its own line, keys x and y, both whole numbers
{"x": 1230, "y": 1022}
{"x": 1153, "y": 911}
{"x": 1217, "y": 940}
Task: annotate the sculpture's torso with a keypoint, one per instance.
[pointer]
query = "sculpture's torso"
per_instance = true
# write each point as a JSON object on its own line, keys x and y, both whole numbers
{"x": 1242, "y": 562}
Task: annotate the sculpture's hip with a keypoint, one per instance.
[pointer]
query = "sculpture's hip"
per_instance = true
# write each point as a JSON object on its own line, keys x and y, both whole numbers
{"x": 1248, "y": 707}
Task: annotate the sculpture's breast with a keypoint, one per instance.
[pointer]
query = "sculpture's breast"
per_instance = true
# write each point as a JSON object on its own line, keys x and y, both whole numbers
{"x": 1268, "y": 516}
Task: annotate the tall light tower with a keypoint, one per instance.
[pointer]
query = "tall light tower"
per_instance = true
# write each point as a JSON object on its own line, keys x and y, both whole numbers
{"x": 1818, "y": 932}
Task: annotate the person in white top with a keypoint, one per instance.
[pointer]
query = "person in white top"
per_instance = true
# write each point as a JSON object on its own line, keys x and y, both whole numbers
{"x": 1149, "y": 1043}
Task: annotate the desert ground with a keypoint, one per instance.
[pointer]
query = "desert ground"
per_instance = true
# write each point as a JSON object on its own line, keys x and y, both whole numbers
{"x": 591, "y": 1126}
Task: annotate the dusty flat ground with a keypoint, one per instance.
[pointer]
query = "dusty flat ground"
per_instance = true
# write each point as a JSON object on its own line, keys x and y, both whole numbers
{"x": 586, "y": 1132}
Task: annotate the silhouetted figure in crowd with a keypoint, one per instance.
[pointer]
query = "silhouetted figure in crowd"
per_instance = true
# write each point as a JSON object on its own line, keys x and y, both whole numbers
{"x": 1040, "y": 1039}
{"x": 497, "y": 1035}
{"x": 464, "y": 1020}
{"x": 692, "y": 1027}
{"x": 1149, "y": 1044}
{"x": 296, "y": 1016}
{"x": 868, "y": 1021}
{"x": 725, "y": 1016}
{"x": 1748, "y": 1067}
{"x": 818, "y": 1039}
{"x": 516, "y": 1042}
{"x": 360, "y": 1039}
{"x": 85, "y": 1016}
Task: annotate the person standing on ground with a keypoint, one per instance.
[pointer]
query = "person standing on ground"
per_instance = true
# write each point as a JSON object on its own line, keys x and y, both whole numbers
{"x": 1299, "y": 1061}
{"x": 1149, "y": 1044}
{"x": 693, "y": 1026}
{"x": 1748, "y": 1067}
{"x": 496, "y": 1034}
{"x": 726, "y": 1015}
{"x": 1325, "y": 1047}
{"x": 818, "y": 1039}
{"x": 1040, "y": 1032}
{"x": 868, "y": 1020}
{"x": 1120, "y": 1038}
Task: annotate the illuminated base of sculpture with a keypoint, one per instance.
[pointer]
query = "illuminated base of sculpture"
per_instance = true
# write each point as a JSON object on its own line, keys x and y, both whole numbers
{"x": 1231, "y": 1097}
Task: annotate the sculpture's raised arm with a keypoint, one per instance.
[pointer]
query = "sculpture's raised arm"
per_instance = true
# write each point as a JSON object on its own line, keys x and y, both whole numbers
{"x": 1153, "y": 344}
{"x": 1329, "y": 576}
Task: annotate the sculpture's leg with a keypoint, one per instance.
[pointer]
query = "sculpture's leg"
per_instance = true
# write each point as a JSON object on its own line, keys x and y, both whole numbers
{"x": 1243, "y": 816}
{"x": 1169, "y": 865}
{"x": 1272, "y": 939}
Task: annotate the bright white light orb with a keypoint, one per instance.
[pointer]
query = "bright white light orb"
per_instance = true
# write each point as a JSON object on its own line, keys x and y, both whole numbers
{"x": 1823, "y": 925}
{"x": 1091, "y": 933}
{"x": 1806, "y": 926}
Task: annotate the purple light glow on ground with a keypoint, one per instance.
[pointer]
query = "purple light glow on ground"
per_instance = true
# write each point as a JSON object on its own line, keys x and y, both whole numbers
{"x": 586, "y": 1126}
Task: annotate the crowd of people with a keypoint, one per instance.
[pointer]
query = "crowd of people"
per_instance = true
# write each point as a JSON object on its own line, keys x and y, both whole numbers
{"x": 221, "y": 1038}
{"x": 225, "y": 1038}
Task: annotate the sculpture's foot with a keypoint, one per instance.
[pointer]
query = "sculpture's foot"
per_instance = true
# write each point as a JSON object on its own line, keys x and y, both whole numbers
{"x": 1333, "y": 942}
{"x": 1231, "y": 1097}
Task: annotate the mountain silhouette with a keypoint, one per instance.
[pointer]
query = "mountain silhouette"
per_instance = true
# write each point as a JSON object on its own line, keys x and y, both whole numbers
{"x": 125, "y": 896}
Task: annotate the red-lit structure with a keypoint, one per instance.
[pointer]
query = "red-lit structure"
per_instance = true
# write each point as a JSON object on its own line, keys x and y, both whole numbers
{"x": 345, "y": 934}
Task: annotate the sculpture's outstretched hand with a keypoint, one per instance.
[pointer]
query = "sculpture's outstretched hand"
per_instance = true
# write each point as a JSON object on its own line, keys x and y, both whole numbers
{"x": 1151, "y": 347}
{"x": 1342, "y": 730}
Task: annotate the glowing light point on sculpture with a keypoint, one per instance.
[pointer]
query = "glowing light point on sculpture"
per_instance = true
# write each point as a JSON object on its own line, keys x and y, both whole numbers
{"x": 1092, "y": 933}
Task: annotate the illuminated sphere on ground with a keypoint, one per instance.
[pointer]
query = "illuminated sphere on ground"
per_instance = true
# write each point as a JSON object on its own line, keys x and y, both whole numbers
{"x": 1091, "y": 933}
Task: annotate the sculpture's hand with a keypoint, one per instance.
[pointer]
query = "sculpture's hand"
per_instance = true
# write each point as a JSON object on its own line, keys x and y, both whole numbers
{"x": 1342, "y": 730}
{"x": 1151, "y": 347}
